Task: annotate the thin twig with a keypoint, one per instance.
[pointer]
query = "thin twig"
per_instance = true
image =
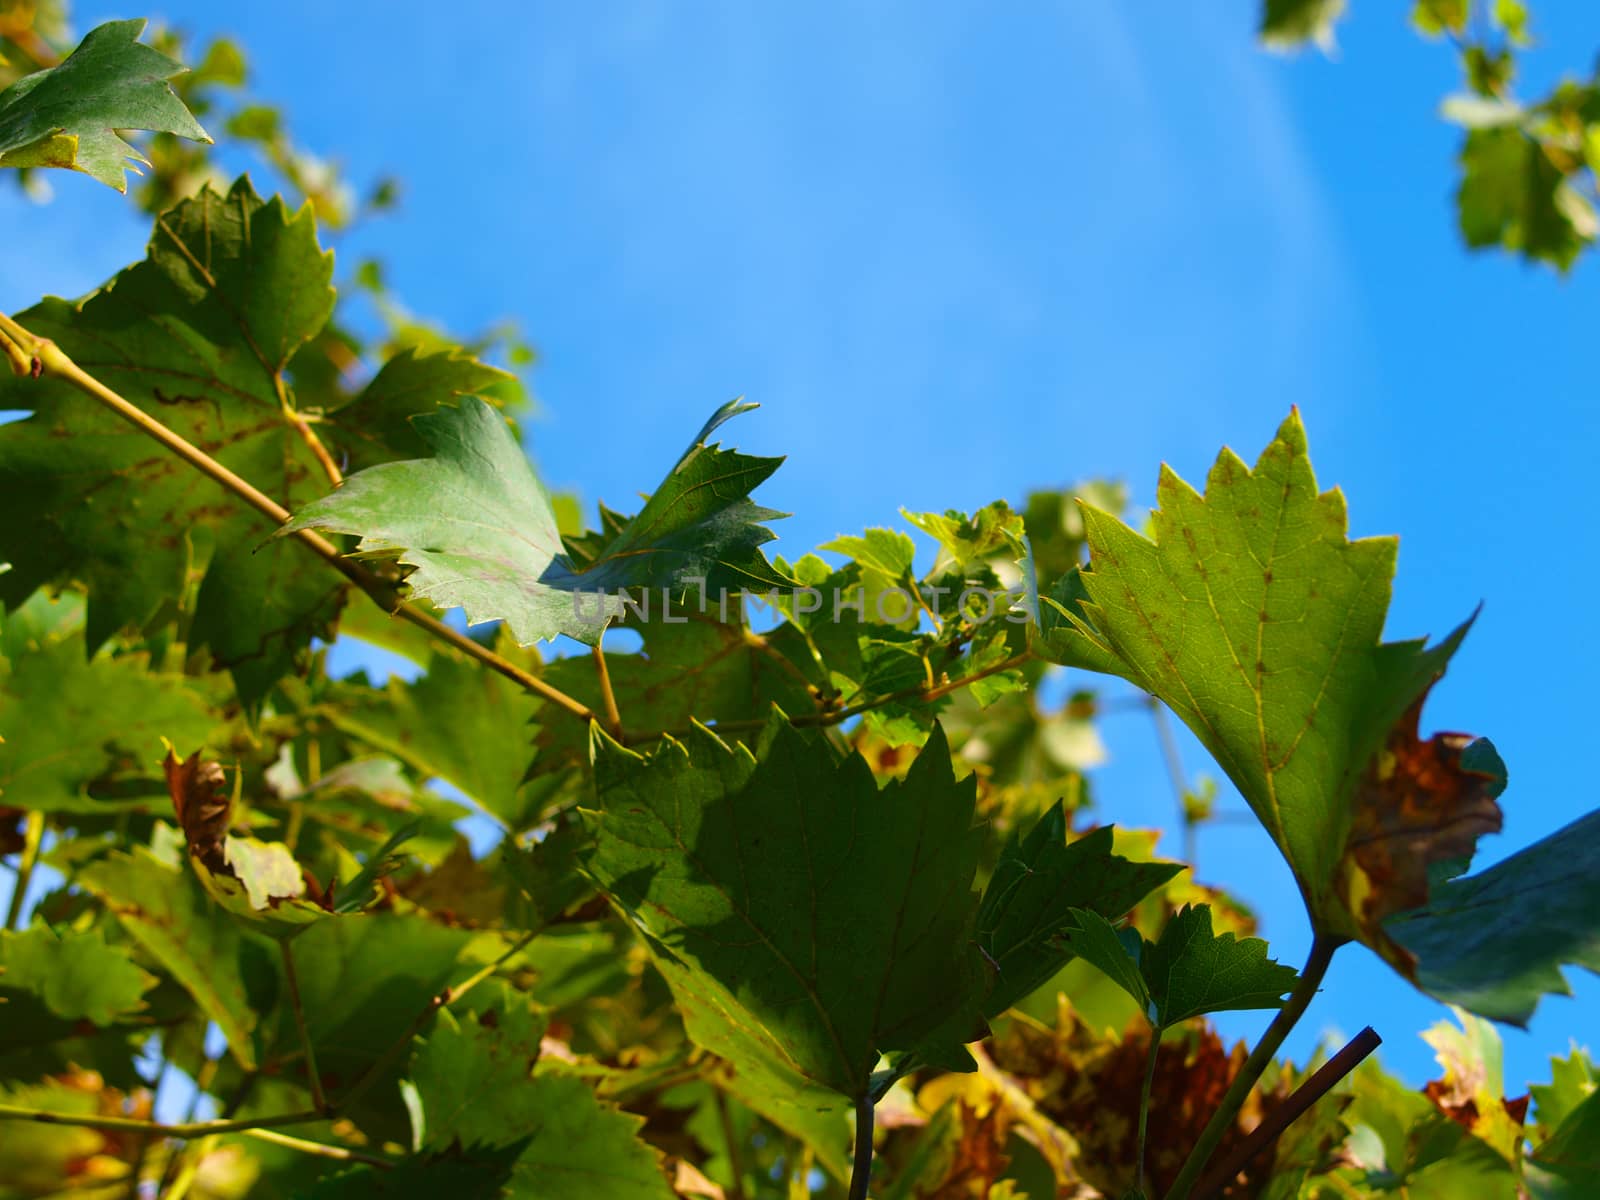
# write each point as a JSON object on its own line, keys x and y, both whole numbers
{"x": 318, "y": 1100}
{"x": 1144, "y": 1098}
{"x": 1227, "y": 1112}
{"x": 188, "y": 1129}
{"x": 320, "y": 1149}
{"x": 1271, "y": 1128}
{"x": 735, "y": 1165}
{"x": 307, "y": 434}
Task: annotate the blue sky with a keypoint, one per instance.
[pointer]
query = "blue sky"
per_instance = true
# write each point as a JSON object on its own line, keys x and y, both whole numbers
{"x": 958, "y": 252}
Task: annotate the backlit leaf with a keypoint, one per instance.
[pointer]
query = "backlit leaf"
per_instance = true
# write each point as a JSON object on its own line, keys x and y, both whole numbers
{"x": 74, "y": 973}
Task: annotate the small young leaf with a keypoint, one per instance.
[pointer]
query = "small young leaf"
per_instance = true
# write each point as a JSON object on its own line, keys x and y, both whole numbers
{"x": 1115, "y": 952}
{"x": 1188, "y": 971}
{"x": 1191, "y": 971}
{"x": 1036, "y": 886}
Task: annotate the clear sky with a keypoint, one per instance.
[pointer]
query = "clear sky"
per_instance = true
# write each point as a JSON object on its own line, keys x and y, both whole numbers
{"x": 961, "y": 251}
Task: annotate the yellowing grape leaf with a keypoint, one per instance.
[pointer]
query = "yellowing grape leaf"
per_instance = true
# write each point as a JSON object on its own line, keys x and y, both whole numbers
{"x": 1257, "y": 620}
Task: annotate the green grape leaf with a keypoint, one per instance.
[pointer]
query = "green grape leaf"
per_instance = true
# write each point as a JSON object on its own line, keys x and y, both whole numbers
{"x": 363, "y": 982}
{"x": 713, "y": 852}
{"x": 411, "y": 383}
{"x": 1572, "y": 1079}
{"x": 1494, "y": 942}
{"x": 480, "y": 532}
{"x": 1566, "y": 1165}
{"x": 1513, "y": 196}
{"x": 1116, "y": 953}
{"x": 70, "y": 721}
{"x": 469, "y": 1069}
{"x": 1256, "y": 619}
{"x": 74, "y": 973}
{"x": 703, "y": 669}
{"x": 69, "y": 115}
{"x": 174, "y": 921}
{"x": 1186, "y": 972}
{"x": 200, "y": 333}
{"x": 1192, "y": 971}
{"x": 1286, "y": 24}
{"x": 1038, "y": 882}
{"x": 475, "y": 1085}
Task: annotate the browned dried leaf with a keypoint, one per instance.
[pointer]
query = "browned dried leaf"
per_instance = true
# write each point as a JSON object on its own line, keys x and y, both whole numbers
{"x": 1415, "y": 806}
{"x": 199, "y": 792}
{"x": 1090, "y": 1085}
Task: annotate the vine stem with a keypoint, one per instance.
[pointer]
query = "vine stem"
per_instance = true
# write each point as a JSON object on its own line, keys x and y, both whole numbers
{"x": 44, "y": 357}
{"x": 33, "y": 839}
{"x": 1308, "y": 1093}
{"x": 861, "y": 1169}
{"x": 318, "y": 1100}
{"x": 184, "y": 1129}
{"x": 320, "y": 1149}
{"x": 1311, "y": 976}
{"x": 1144, "y": 1098}
{"x": 608, "y": 698}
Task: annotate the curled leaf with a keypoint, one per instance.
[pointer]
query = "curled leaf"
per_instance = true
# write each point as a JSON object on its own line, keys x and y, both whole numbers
{"x": 199, "y": 796}
{"x": 1421, "y": 805}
